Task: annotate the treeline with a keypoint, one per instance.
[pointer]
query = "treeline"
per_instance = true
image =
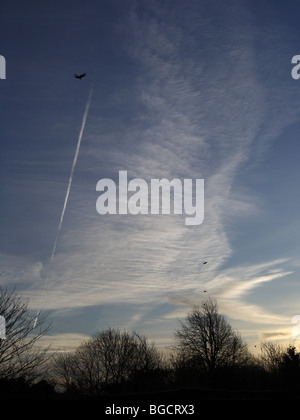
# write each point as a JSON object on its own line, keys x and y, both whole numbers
{"x": 209, "y": 359}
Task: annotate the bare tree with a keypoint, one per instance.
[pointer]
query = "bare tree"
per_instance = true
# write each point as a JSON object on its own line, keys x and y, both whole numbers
{"x": 110, "y": 357}
{"x": 207, "y": 338}
{"x": 19, "y": 354}
{"x": 62, "y": 369}
{"x": 271, "y": 356}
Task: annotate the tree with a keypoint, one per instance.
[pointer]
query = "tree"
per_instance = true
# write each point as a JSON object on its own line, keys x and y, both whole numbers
{"x": 282, "y": 365}
{"x": 291, "y": 359}
{"x": 271, "y": 356}
{"x": 19, "y": 355}
{"x": 109, "y": 358}
{"x": 290, "y": 368}
{"x": 63, "y": 368}
{"x": 208, "y": 339}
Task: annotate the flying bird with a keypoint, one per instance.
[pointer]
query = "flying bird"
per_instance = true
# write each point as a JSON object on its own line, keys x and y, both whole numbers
{"x": 205, "y": 262}
{"x": 79, "y": 76}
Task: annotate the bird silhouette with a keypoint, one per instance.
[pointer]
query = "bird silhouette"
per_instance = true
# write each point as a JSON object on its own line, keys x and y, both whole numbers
{"x": 79, "y": 76}
{"x": 205, "y": 262}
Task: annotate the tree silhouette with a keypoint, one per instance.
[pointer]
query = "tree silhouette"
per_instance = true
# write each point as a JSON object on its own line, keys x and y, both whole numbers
{"x": 271, "y": 356}
{"x": 20, "y": 357}
{"x": 209, "y": 340}
{"x": 110, "y": 358}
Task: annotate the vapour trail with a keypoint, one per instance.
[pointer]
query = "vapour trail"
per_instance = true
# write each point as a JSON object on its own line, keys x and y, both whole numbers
{"x": 73, "y": 167}
{"x": 87, "y": 106}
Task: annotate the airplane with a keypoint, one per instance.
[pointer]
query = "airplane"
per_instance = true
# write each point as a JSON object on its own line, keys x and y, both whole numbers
{"x": 80, "y": 76}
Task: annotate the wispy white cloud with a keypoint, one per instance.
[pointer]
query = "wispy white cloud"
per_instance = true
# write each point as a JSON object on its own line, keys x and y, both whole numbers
{"x": 232, "y": 289}
{"x": 188, "y": 128}
{"x": 63, "y": 342}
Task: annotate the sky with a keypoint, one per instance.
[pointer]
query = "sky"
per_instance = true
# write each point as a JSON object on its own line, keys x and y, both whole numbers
{"x": 173, "y": 89}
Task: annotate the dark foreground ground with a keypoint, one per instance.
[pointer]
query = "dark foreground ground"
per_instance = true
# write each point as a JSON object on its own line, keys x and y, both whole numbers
{"x": 185, "y": 399}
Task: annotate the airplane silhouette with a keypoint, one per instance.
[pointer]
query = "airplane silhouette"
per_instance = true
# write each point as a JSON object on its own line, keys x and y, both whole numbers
{"x": 80, "y": 76}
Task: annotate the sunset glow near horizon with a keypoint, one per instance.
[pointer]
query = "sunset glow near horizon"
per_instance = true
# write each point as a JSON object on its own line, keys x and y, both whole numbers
{"x": 185, "y": 90}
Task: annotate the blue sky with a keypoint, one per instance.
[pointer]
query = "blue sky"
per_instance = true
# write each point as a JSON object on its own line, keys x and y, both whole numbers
{"x": 180, "y": 89}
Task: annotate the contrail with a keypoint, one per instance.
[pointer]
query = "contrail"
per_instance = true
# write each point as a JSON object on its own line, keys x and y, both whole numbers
{"x": 73, "y": 167}
{"x": 70, "y": 181}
